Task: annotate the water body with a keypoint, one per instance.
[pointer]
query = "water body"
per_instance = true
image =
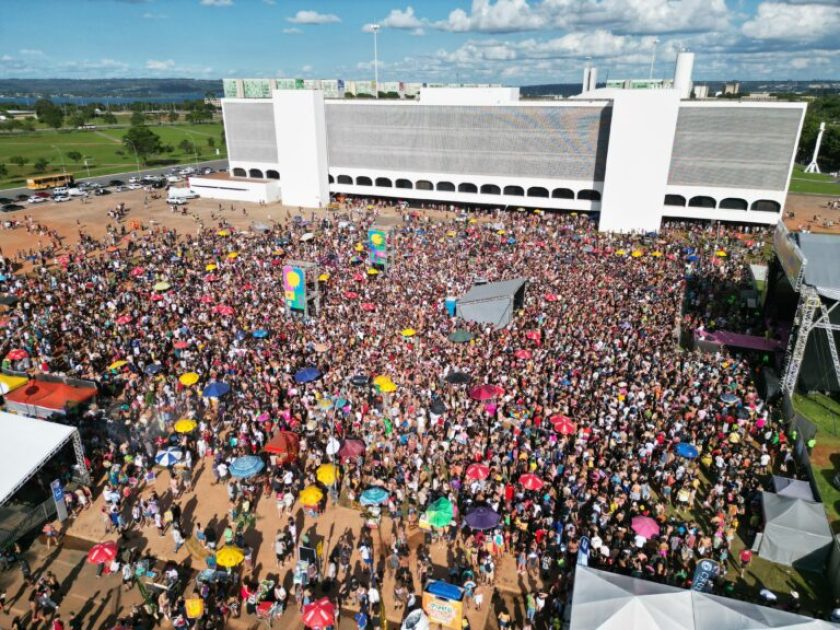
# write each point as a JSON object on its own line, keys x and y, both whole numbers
{"x": 106, "y": 100}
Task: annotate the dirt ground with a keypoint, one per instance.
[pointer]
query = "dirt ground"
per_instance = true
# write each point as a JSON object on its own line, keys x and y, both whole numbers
{"x": 812, "y": 213}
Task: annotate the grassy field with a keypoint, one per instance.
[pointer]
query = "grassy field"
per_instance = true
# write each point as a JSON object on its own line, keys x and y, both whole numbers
{"x": 103, "y": 149}
{"x": 812, "y": 183}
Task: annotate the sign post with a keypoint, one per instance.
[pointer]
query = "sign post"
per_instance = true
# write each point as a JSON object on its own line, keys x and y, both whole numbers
{"x": 58, "y": 497}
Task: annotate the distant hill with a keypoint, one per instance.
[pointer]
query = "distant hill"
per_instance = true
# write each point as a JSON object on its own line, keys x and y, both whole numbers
{"x": 119, "y": 88}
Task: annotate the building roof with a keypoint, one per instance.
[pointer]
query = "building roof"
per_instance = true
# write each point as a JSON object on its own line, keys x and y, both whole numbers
{"x": 35, "y": 442}
{"x": 822, "y": 251}
{"x": 492, "y": 290}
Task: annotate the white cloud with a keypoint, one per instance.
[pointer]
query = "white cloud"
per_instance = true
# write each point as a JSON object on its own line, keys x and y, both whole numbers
{"x": 402, "y": 19}
{"x": 799, "y": 23}
{"x": 292, "y": 31}
{"x": 153, "y": 16}
{"x": 7, "y": 58}
{"x": 270, "y": 2}
{"x": 306, "y": 68}
{"x": 313, "y": 17}
{"x": 158, "y": 65}
{"x": 34, "y": 52}
{"x": 217, "y": 3}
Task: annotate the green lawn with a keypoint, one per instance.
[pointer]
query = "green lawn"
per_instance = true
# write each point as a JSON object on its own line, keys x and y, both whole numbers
{"x": 812, "y": 183}
{"x": 103, "y": 148}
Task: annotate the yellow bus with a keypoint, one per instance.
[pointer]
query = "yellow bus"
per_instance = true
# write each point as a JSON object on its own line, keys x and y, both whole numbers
{"x": 49, "y": 181}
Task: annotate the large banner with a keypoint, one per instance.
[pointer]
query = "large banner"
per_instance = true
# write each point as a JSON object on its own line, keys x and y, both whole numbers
{"x": 583, "y": 551}
{"x": 704, "y": 575}
{"x": 789, "y": 255}
{"x": 294, "y": 287}
{"x": 378, "y": 245}
{"x": 447, "y": 612}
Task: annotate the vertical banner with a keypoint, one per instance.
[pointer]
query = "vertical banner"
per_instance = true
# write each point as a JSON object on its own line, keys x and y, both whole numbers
{"x": 704, "y": 575}
{"x": 583, "y": 551}
{"x": 294, "y": 287}
{"x": 58, "y": 497}
{"x": 378, "y": 246}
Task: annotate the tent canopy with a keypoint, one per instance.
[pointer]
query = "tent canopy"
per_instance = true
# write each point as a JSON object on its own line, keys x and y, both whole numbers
{"x": 796, "y": 532}
{"x": 822, "y": 253}
{"x": 795, "y": 488}
{"x": 35, "y": 442}
{"x": 604, "y": 601}
{"x": 492, "y": 302}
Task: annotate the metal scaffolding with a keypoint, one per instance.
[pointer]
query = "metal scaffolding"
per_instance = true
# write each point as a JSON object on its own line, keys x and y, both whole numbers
{"x": 810, "y": 304}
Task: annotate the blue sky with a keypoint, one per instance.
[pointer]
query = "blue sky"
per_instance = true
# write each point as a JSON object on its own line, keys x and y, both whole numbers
{"x": 515, "y": 42}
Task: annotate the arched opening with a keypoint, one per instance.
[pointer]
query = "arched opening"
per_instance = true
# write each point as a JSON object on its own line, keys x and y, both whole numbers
{"x": 404, "y": 183}
{"x": 515, "y": 191}
{"x": 467, "y": 188}
{"x": 766, "y": 205}
{"x": 272, "y": 175}
{"x": 255, "y": 172}
{"x": 732, "y": 203}
{"x": 589, "y": 194}
{"x": 446, "y": 186}
{"x": 345, "y": 179}
{"x": 383, "y": 182}
{"x": 362, "y": 180}
{"x": 239, "y": 172}
{"x": 424, "y": 184}
{"x": 675, "y": 200}
{"x": 701, "y": 202}
{"x": 490, "y": 189}
{"x": 562, "y": 193}
{"x": 537, "y": 191}
{"x": 330, "y": 179}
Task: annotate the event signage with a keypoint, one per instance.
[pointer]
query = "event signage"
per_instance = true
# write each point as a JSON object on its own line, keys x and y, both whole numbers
{"x": 583, "y": 551}
{"x": 378, "y": 245}
{"x": 448, "y": 613}
{"x": 789, "y": 255}
{"x": 704, "y": 575}
{"x": 294, "y": 287}
{"x": 58, "y": 497}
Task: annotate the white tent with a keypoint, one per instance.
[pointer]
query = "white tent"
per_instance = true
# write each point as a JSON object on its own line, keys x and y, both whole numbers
{"x": 796, "y": 532}
{"x": 796, "y": 488}
{"x": 29, "y": 443}
{"x": 607, "y": 601}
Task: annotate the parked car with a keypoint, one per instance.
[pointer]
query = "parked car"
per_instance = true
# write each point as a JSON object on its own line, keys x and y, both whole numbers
{"x": 173, "y": 179}
{"x": 36, "y": 199}
{"x": 116, "y": 182}
{"x": 119, "y": 188}
{"x": 61, "y": 198}
{"x": 133, "y": 180}
{"x": 22, "y": 197}
{"x": 5, "y": 200}
{"x": 76, "y": 192}
{"x": 101, "y": 191}
{"x": 207, "y": 170}
{"x": 11, "y": 207}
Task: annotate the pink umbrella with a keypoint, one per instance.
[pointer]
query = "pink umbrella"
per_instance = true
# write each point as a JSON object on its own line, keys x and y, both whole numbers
{"x": 645, "y": 526}
{"x": 223, "y": 309}
{"x": 550, "y": 297}
{"x": 156, "y": 297}
{"x": 180, "y": 345}
{"x": 368, "y": 307}
{"x": 522, "y": 355}
{"x": 351, "y": 449}
{"x": 563, "y": 425}
{"x": 351, "y": 295}
{"x": 531, "y": 482}
{"x": 533, "y": 335}
{"x": 486, "y": 392}
{"x": 122, "y": 320}
{"x": 211, "y": 277}
{"x": 137, "y": 271}
{"x": 206, "y": 299}
{"x": 358, "y": 277}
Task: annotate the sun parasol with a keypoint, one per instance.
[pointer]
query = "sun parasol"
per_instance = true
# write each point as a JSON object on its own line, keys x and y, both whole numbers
{"x": 550, "y": 297}
{"x": 645, "y": 526}
{"x": 185, "y": 425}
{"x": 486, "y": 392}
{"x": 260, "y": 333}
{"x": 350, "y": 449}
{"x": 684, "y": 449}
{"x": 477, "y": 472}
{"x": 375, "y": 495}
{"x": 17, "y": 354}
{"x": 373, "y": 271}
{"x": 461, "y": 336}
{"x": 319, "y": 614}
{"x": 482, "y": 517}
{"x": 188, "y": 379}
{"x": 285, "y": 445}
{"x": 211, "y": 267}
{"x": 223, "y": 233}
{"x": 246, "y": 466}
{"x": 162, "y": 286}
{"x": 457, "y": 378}
{"x": 522, "y": 355}
{"x": 440, "y": 513}
{"x": 327, "y": 474}
{"x": 351, "y": 295}
{"x": 216, "y": 389}
{"x": 233, "y": 255}
{"x": 102, "y": 553}
{"x": 563, "y": 425}
{"x": 116, "y": 365}
{"x": 531, "y": 482}
{"x": 229, "y": 557}
{"x": 368, "y": 307}
{"x": 311, "y": 495}
{"x": 307, "y": 375}
{"x": 408, "y": 332}
{"x": 137, "y": 271}
{"x": 180, "y": 345}
{"x": 168, "y": 457}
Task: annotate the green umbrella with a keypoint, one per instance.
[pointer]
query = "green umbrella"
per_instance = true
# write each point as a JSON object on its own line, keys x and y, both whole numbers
{"x": 439, "y": 513}
{"x": 461, "y": 336}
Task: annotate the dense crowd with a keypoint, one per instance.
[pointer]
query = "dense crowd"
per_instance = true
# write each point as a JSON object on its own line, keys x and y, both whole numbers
{"x": 594, "y": 347}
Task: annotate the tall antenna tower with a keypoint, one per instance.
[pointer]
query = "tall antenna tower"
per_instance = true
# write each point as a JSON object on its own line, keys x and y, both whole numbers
{"x": 813, "y": 167}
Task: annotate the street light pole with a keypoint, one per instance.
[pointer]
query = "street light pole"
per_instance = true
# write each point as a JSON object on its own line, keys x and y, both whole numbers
{"x": 61, "y": 155}
{"x": 136, "y": 157}
{"x": 375, "y": 29}
{"x": 653, "y": 58}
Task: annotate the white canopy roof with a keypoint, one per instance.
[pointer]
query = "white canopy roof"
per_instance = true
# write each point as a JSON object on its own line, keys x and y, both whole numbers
{"x": 27, "y": 444}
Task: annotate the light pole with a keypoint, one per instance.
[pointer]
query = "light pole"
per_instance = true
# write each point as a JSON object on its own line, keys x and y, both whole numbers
{"x": 653, "y": 57}
{"x": 136, "y": 157}
{"x": 375, "y": 29}
{"x": 194, "y": 145}
{"x": 61, "y": 155}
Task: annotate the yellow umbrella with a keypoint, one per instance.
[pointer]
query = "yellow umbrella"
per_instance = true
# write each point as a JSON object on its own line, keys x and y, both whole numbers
{"x": 229, "y": 557}
{"x": 277, "y": 252}
{"x": 381, "y": 379}
{"x": 188, "y": 379}
{"x": 370, "y": 207}
{"x": 574, "y": 214}
{"x": 323, "y": 277}
{"x": 372, "y": 271}
{"x": 359, "y": 247}
{"x": 387, "y": 388}
{"x": 451, "y": 233}
{"x": 637, "y": 253}
{"x": 233, "y": 255}
{"x": 185, "y": 425}
{"x": 194, "y": 607}
{"x": 327, "y": 474}
{"x": 656, "y": 254}
{"x": 116, "y": 365}
{"x": 161, "y": 286}
{"x": 408, "y": 332}
{"x": 501, "y": 232}
{"x": 472, "y": 221}
{"x": 223, "y": 233}
{"x": 211, "y": 267}
{"x": 311, "y": 495}
{"x": 721, "y": 254}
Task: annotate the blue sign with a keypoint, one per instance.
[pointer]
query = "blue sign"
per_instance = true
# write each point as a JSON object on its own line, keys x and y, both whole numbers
{"x": 704, "y": 575}
{"x": 58, "y": 497}
{"x": 57, "y": 491}
{"x": 583, "y": 551}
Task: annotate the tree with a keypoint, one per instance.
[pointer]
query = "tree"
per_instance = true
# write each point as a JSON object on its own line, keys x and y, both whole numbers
{"x": 109, "y": 119}
{"x": 3, "y": 170}
{"x": 41, "y": 165}
{"x": 137, "y": 119}
{"x": 53, "y": 117}
{"x": 75, "y": 156}
{"x": 173, "y": 117}
{"x": 142, "y": 141}
{"x": 211, "y": 143}
{"x": 78, "y": 120}
{"x": 223, "y": 135}
{"x": 186, "y": 146}
{"x": 19, "y": 160}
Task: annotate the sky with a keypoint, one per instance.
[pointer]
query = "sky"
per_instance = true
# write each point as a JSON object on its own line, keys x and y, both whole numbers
{"x": 514, "y": 42}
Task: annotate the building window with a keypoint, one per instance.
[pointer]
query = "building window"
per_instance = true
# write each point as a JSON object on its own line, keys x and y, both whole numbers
{"x": 537, "y": 191}
{"x": 330, "y": 179}
{"x": 701, "y": 202}
{"x": 345, "y": 179}
{"x": 404, "y": 183}
{"x": 424, "y": 185}
{"x": 272, "y": 175}
{"x": 766, "y": 205}
{"x": 490, "y": 189}
{"x": 515, "y": 191}
{"x": 562, "y": 193}
{"x": 256, "y": 173}
{"x": 361, "y": 180}
{"x": 733, "y": 203}
{"x": 239, "y": 172}
{"x": 589, "y": 195}
{"x": 446, "y": 186}
{"x": 467, "y": 188}
{"x": 383, "y": 182}
{"x": 675, "y": 200}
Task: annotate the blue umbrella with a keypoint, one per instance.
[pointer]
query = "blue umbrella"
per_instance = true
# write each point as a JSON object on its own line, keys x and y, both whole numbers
{"x": 246, "y": 466}
{"x": 693, "y": 258}
{"x": 260, "y": 333}
{"x": 241, "y": 335}
{"x": 216, "y": 389}
{"x": 684, "y": 449}
{"x": 168, "y": 457}
{"x": 375, "y": 495}
{"x": 307, "y": 375}
{"x": 729, "y": 399}
{"x": 152, "y": 368}
{"x": 482, "y": 517}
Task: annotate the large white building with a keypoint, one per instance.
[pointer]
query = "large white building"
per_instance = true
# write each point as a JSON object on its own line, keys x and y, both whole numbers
{"x": 635, "y": 156}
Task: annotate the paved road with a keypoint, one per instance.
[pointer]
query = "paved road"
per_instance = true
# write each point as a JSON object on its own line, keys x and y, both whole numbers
{"x": 11, "y": 193}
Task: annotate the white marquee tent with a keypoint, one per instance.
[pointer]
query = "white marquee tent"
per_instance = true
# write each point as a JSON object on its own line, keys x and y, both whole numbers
{"x": 796, "y": 532}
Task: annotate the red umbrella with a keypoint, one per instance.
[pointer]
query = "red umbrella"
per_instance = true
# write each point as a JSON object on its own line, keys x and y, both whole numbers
{"x": 137, "y": 271}
{"x": 350, "y": 449}
{"x": 522, "y": 355}
{"x": 533, "y": 335}
{"x": 368, "y": 307}
{"x": 285, "y": 445}
{"x": 156, "y": 297}
{"x": 319, "y": 614}
{"x": 17, "y": 354}
{"x": 180, "y": 345}
{"x": 550, "y": 297}
{"x": 486, "y": 392}
{"x": 122, "y": 320}
{"x": 206, "y": 299}
{"x": 358, "y": 277}
{"x": 351, "y": 295}
{"x": 531, "y": 482}
{"x": 211, "y": 277}
{"x": 477, "y": 471}
{"x": 102, "y": 553}
{"x": 223, "y": 309}
{"x": 563, "y": 425}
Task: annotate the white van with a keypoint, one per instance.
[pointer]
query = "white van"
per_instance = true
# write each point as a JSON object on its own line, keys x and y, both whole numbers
{"x": 59, "y": 190}
{"x": 182, "y": 194}
{"x": 75, "y": 192}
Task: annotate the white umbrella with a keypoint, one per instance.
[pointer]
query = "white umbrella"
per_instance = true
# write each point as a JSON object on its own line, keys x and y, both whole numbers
{"x": 307, "y": 237}
{"x": 332, "y": 446}
{"x": 416, "y": 620}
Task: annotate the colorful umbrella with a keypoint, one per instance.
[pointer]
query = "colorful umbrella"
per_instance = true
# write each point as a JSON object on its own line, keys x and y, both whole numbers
{"x": 319, "y": 614}
{"x": 351, "y": 449}
{"x": 482, "y": 517}
{"x": 233, "y": 255}
{"x": 168, "y": 457}
{"x": 102, "y": 553}
{"x": 307, "y": 374}
{"x": 522, "y": 355}
{"x": 477, "y": 472}
{"x": 229, "y": 557}
{"x": 327, "y": 474}
{"x": 440, "y": 513}
{"x": 116, "y": 365}
{"x": 17, "y": 354}
{"x": 486, "y": 392}
{"x": 162, "y": 286}
{"x": 285, "y": 445}
{"x": 137, "y": 271}
{"x": 375, "y": 495}
{"x": 563, "y": 425}
{"x": 311, "y": 495}
{"x": 211, "y": 267}
{"x": 645, "y": 526}
{"x": 223, "y": 233}
{"x": 122, "y": 320}
{"x": 684, "y": 449}
{"x": 216, "y": 389}
{"x": 368, "y": 307}
{"x": 531, "y": 482}
{"x": 180, "y": 345}
{"x": 185, "y": 425}
{"x": 246, "y": 466}
{"x": 260, "y": 333}
{"x": 359, "y": 380}
{"x": 457, "y": 378}
{"x": 461, "y": 336}
{"x": 550, "y": 297}
{"x": 152, "y": 368}
{"x": 188, "y": 379}
{"x": 408, "y": 332}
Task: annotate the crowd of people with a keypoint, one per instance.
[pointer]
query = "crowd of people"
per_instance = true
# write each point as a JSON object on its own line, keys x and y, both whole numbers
{"x": 594, "y": 348}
